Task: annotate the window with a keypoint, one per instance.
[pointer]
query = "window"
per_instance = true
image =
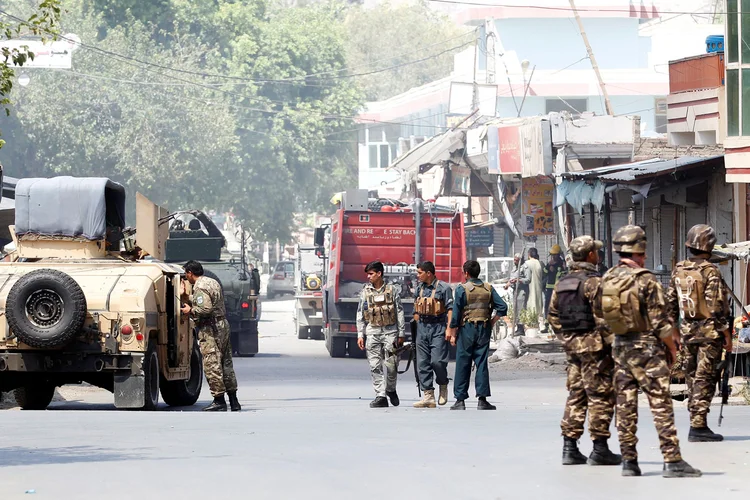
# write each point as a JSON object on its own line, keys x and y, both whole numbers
{"x": 559, "y": 104}
{"x": 745, "y": 86}
{"x": 732, "y": 32}
{"x": 385, "y": 156}
{"x": 373, "y": 156}
{"x": 289, "y": 267}
{"x": 745, "y": 33}
{"x": 733, "y": 102}
{"x": 660, "y": 115}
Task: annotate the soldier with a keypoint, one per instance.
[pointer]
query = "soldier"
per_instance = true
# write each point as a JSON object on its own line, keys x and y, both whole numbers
{"x": 697, "y": 297}
{"x": 432, "y": 310}
{"x": 380, "y": 320}
{"x": 472, "y": 310}
{"x": 635, "y": 310}
{"x": 575, "y": 315}
{"x": 553, "y": 271}
{"x": 208, "y": 312}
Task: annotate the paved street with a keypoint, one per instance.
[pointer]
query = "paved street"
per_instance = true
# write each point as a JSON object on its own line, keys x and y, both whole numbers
{"x": 307, "y": 432}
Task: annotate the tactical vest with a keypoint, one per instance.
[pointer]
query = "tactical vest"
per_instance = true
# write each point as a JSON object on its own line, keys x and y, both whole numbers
{"x": 621, "y": 304}
{"x": 576, "y": 314}
{"x": 691, "y": 290}
{"x": 381, "y": 307}
{"x": 478, "y": 298}
{"x": 559, "y": 273}
{"x": 429, "y": 306}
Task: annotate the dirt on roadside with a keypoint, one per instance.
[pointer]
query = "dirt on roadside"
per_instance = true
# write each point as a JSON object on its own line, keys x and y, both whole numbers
{"x": 529, "y": 366}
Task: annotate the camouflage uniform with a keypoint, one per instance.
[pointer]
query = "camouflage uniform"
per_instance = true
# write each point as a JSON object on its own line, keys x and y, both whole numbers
{"x": 213, "y": 335}
{"x": 701, "y": 339}
{"x": 641, "y": 363}
{"x": 380, "y": 342}
{"x": 590, "y": 364}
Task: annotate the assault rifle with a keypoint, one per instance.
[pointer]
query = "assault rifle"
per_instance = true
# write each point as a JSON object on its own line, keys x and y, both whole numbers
{"x": 725, "y": 390}
{"x": 411, "y": 348}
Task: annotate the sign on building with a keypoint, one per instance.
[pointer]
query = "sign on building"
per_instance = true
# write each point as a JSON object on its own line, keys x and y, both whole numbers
{"x": 50, "y": 55}
{"x": 480, "y": 237}
{"x": 537, "y": 212}
{"x": 520, "y": 149}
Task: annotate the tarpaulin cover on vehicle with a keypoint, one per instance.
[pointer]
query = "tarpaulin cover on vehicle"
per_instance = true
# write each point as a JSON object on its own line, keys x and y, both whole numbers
{"x": 69, "y": 206}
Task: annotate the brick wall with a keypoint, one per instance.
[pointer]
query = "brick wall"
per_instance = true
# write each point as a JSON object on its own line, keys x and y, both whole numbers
{"x": 658, "y": 148}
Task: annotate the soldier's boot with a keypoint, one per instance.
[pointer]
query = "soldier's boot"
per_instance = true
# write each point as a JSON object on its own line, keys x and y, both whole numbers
{"x": 483, "y": 404}
{"x": 679, "y": 469}
{"x": 393, "y": 397}
{"x": 234, "y": 403}
{"x": 601, "y": 455}
{"x": 459, "y": 405}
{"x": 571, "y": 455}
{"x": 630, "y": 468}
{"x": 703, "y": 435}
{"x": 443, "y": 397}
{"x": 218, "y": 404}
{"x": 428, "y": 400}
{"x": 379, "y": 402}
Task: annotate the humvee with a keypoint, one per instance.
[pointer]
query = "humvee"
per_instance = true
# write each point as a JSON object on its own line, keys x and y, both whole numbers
{"x": 82, "y": 300}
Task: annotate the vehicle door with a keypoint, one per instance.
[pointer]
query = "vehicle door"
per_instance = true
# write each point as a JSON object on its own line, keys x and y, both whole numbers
{"x": 289, "y": 276}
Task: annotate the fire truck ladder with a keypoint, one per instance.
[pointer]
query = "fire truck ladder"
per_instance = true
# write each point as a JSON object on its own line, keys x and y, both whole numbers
{"x": 437, "y": 221}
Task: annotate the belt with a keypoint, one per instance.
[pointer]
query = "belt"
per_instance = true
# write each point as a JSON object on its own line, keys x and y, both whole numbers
{"x": 433, "y": 319}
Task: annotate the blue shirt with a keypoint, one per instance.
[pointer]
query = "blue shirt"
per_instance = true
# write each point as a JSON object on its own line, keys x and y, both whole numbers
{"x": 459, "y": 302}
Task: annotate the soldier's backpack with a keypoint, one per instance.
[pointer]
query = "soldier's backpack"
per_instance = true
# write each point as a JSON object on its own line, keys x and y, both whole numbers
{"x": 576, "y": 313}
{"x": 621, "y": 305}
{"x": 687, "y": 279}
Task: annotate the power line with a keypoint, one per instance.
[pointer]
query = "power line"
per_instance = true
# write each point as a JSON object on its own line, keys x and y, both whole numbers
{"x": 569, "y": 9}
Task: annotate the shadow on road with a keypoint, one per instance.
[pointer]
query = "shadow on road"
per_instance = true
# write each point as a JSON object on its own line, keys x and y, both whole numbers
{"x": 21, "y": 456}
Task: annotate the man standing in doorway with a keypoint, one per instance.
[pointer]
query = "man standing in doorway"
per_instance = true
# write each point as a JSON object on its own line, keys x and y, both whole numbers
{"x": 380, "y": 329}
{"x": 210, "y": 319}
{"x": 432, "y": 310}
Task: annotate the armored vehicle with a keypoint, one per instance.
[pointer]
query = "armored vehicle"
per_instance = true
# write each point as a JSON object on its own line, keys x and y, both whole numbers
{"x": 82, "y": 301}
{"x": 194, "y": 236}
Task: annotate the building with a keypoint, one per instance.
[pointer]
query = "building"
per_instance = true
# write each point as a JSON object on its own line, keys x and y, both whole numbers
{"x": 532, "y": 76}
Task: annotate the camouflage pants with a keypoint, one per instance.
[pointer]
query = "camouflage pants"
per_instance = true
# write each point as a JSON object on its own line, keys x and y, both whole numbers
{"x": 380, "y": 355}
{"x": 701, "y": 363}
{"x": 645, "y": 368}
{"x": 217, "y": 358}
{"x": 590, "y": 387}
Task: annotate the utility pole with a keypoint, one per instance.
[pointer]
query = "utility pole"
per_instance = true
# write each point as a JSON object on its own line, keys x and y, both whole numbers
{"x": 607, "y": 104}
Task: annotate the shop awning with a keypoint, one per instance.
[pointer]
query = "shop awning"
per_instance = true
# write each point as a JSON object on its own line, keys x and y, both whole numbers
{"x": 581, "y": 188}
{"x": 433, "y": 151}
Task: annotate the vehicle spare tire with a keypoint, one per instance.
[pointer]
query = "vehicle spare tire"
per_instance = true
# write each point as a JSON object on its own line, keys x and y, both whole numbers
{"x": 45, "y": 308}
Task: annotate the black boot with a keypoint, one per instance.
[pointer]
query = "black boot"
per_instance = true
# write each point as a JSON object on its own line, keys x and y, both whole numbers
{"x": 571, "y": 455}
{"x": 234, "y": 403}
{"x": 703, "y": 435}
{"x": 459, "y": 405}
{"x": 379, "y": 402}
{"x": 218, "y": 404}
{"x": 482, "y": 404}
{"x": 394, "y": 398}
{"x": 630, "y": 468}
{"x": 679, "y": 469}
{"x": 601, "y": 455}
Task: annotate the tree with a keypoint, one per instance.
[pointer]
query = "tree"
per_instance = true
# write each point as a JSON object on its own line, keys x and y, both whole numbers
{"x": 41, "y": 21}
{"x": 395, "y": 36}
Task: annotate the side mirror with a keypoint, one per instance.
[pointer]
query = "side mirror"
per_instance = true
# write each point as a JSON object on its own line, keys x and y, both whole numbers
{"x": 320, "y": 237}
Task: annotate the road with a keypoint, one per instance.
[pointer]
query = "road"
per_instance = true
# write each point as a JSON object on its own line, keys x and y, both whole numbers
{"x": 307, "y": 432}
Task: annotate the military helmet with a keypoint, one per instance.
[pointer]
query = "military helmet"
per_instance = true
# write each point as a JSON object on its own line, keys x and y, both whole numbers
{"x": 630, "y": 239}
{"x": 701, "y": 237}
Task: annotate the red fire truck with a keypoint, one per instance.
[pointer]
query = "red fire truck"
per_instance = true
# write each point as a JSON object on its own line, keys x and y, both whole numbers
{"x": 399, "y": 239}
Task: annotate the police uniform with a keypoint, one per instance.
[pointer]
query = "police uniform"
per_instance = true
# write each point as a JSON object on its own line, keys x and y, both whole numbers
{"x": 697, "y": 299}
{"x": 209, "y": 315}
{"x": 432, "y": 304}
{"x": 473, "y": 304}
{"x": 575, "y": 316}
{"x": 634, "y": 307}
{"x": 380, "y": 320}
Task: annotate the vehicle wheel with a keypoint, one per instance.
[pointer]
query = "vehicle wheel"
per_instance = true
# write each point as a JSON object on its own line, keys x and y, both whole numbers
{"x": 302, "y": 333}
{"x": 46, "y": 308}
{"x": 338, "y": 347}
{"x": 270, "y": 295}
{"x": 151, "y": 375}
{"x": 210, "y": 274}
{"x": 35, "y": 396}
{"x": 185, "y": 392}
{"x": 316, "y": 333}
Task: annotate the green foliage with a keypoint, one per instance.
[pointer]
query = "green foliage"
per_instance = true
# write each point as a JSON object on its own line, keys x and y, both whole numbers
{"x": 390, "y": 36}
